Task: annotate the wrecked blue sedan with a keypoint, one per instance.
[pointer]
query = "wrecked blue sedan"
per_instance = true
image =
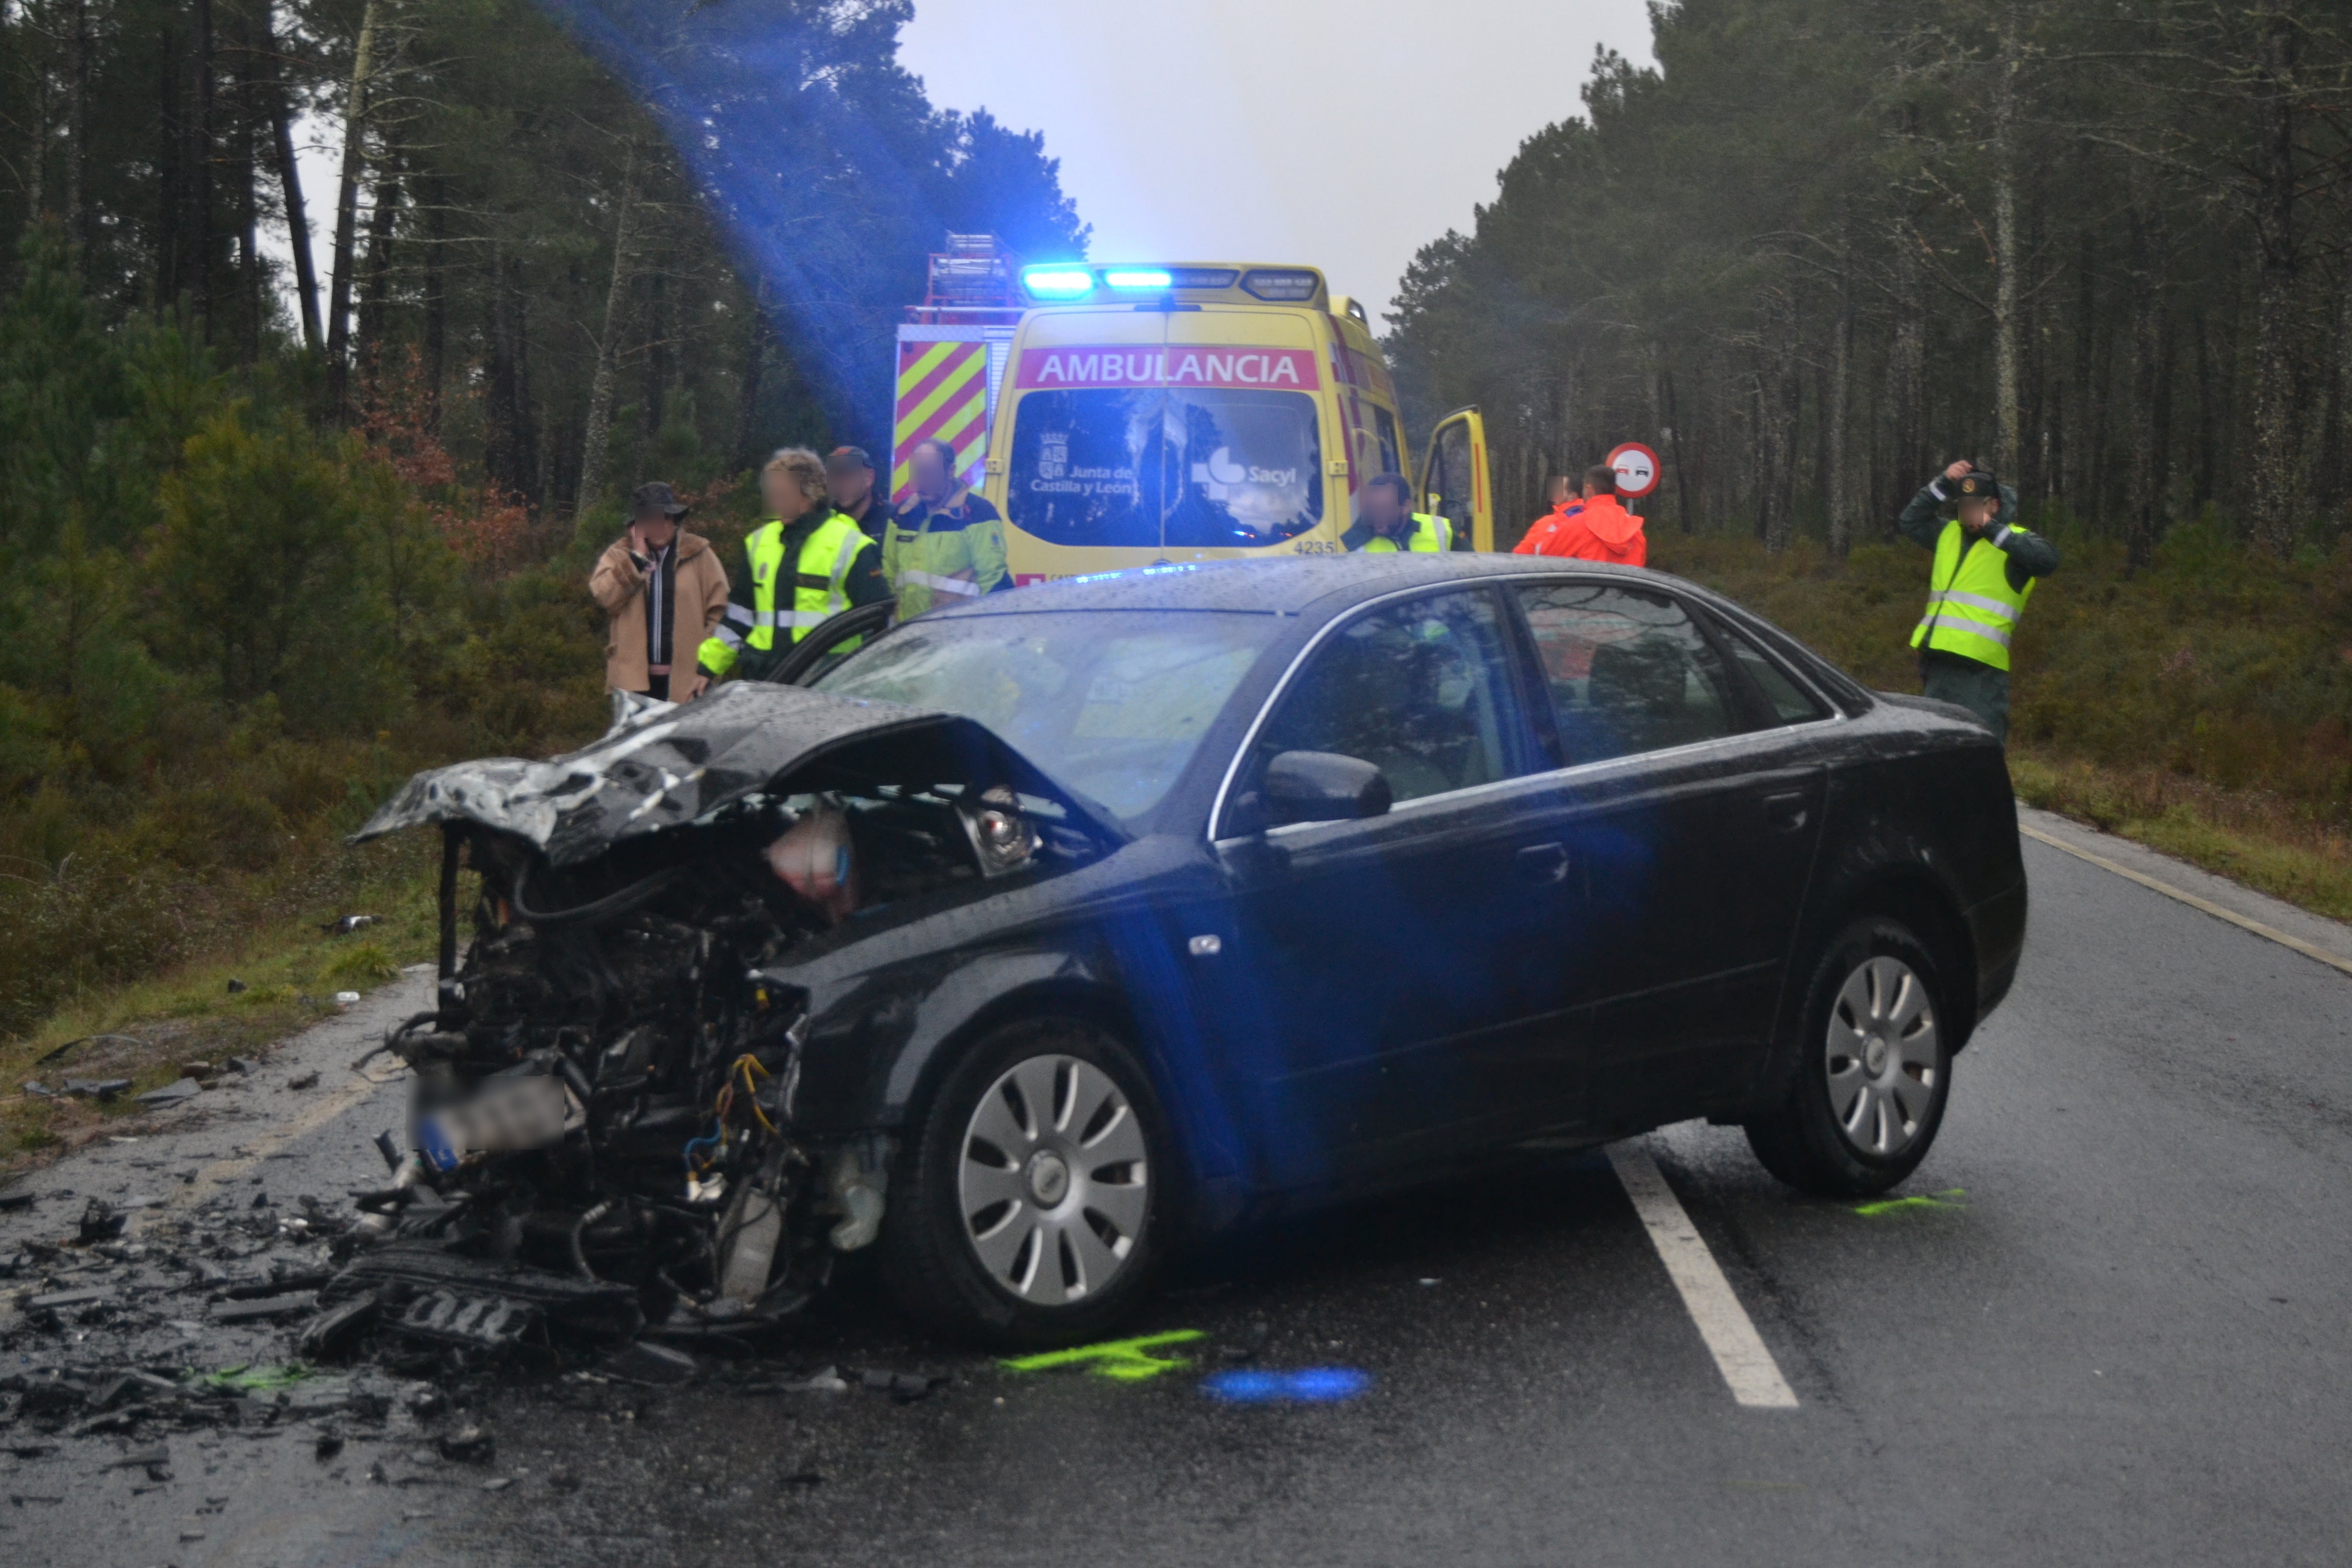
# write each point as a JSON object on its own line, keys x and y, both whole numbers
{"x": 1029, "y": 937}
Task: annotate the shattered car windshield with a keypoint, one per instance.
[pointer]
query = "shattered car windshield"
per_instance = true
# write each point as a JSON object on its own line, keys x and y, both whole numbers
{"x": 1111, "y": 703}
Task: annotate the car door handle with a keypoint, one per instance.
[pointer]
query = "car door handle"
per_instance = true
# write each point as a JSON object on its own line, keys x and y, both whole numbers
{"x": 1544, "y": 865}
{"x": 1787, "y": 813}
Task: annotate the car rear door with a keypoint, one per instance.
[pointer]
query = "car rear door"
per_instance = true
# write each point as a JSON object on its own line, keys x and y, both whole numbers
{"x": 1376, "y": 989}
{"x": 1695, "y": 815}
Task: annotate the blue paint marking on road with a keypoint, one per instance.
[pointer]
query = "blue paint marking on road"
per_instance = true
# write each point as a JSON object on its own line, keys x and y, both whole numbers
{"x": 1312, "y": 1386}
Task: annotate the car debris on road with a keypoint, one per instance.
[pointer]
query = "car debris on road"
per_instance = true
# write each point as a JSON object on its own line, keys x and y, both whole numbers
{"x": 603, "y": 1133}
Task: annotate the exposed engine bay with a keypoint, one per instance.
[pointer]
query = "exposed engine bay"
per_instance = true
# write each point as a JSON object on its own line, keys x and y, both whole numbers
{"x": 602, "y": 1136}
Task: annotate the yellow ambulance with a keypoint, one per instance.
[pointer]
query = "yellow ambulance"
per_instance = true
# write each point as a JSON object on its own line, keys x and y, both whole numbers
{"x": 1202, "y": 411}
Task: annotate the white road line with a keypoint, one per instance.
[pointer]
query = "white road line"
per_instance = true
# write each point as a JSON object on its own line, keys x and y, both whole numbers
{"x": 1738, "y": 1351}
{"x": 2271, "y": 932}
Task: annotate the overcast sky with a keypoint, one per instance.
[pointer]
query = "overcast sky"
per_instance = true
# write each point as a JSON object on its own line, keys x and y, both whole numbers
{"x": 1328, "y": 132}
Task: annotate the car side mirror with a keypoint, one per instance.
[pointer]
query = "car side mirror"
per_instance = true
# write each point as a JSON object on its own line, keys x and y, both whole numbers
{"x": 1322, "y": 786}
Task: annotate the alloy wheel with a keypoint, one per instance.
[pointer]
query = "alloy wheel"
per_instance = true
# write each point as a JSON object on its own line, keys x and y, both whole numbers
{"x": 1054, "y": 1182}
{"x": 1882, "y": 1054}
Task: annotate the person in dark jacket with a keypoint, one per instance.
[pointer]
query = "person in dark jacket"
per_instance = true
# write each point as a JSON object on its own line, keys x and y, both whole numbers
{"x": 1984, "y": 571}
{"x": 849, "y": 475}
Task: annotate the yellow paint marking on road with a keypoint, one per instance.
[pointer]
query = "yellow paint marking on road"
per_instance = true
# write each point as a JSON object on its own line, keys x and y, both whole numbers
{"x": 221, "y": 1172}
{"x": 2269, "y": 933}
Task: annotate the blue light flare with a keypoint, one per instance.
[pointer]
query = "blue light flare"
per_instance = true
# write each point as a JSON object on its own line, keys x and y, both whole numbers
{"x": 1140, "y": 278}
{"x": 1311, "y": 1386}
{"x": 1058, "y": 282}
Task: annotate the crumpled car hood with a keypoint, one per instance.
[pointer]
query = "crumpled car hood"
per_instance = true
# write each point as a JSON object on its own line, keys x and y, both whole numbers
{"x": 665, "y": 766}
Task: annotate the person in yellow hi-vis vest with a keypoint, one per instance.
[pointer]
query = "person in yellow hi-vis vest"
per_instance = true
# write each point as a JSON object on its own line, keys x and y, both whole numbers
{"x": 806, "y": 564}
{"x": 947, "y": 545}
{"x": 1985, "y": 570}
{"x": 1385, "y": 520}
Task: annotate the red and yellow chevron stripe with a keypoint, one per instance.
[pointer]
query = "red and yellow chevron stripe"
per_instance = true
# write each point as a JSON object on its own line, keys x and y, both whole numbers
{"x": 943, "y": 397}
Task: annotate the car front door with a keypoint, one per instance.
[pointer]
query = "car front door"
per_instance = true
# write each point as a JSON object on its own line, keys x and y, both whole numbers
{"x": 1376, "y": 990}
{"x": 1695, "y": 815}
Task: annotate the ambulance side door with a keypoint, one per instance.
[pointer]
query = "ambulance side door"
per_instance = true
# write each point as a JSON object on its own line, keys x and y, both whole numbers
{"x": 1454, "y": 479}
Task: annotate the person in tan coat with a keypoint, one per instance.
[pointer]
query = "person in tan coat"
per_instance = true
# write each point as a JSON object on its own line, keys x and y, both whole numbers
{"x": 665, "y": 591}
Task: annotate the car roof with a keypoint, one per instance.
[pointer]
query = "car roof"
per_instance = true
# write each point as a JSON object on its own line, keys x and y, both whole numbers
{"x": 1285, "y": 585}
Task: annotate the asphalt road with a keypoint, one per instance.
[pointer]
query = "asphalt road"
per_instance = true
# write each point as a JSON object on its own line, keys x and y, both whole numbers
{"x": 2115, "y": 1333}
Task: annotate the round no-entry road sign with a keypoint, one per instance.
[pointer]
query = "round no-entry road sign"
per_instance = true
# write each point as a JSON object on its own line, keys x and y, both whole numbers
{"x": 1637, "y": 470}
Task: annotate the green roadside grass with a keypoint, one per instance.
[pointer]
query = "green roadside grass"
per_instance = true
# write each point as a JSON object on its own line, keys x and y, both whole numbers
{"x": 2242, "y": 836}
{"x": 290, "y": 971}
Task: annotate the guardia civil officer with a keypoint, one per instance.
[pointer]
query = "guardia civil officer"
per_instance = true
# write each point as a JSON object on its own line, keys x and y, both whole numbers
{"x": 1384, "y": 519}
{"x": 1985, "y": 570}
{"x": 805, "y": 563}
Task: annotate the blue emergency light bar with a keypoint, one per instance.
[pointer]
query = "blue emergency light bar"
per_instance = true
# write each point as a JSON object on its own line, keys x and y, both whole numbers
{"x": 1140, "y": 278}
{"x": 1058, "y": 282}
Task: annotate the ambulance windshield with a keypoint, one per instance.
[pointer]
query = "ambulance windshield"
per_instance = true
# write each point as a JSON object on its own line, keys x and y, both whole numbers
{"x": 1172, "y": 468}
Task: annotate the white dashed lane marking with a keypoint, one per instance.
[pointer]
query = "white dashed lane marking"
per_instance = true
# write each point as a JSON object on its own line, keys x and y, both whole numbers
{"x": 1738, "y": 1351}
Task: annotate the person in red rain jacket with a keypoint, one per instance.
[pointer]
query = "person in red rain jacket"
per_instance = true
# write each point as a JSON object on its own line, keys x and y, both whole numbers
{"x": 1564, "y": 505}
{"x": 1601, "y": 529}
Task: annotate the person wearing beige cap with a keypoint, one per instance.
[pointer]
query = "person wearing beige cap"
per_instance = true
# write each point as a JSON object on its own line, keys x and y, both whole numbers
{"x": 663, "y": 592}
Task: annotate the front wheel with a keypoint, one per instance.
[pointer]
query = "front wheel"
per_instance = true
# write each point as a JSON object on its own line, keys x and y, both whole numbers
{"x": 1874, "y": 1069}
{"x": 1029, "y": 1204}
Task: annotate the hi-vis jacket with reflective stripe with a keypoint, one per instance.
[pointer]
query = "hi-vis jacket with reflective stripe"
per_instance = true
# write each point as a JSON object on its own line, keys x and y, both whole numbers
{"x": 1429, "y": 533}
{"x": 944, "y": 555}
{"x": 1972, "y": 609}
{"x": 816, "y": 580}
{"x": 1977, "y": 589}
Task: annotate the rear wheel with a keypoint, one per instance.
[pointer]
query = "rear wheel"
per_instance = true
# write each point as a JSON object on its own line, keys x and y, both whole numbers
{"x": 1873, "y": 1068}
{"x": 1029, "y": 1203}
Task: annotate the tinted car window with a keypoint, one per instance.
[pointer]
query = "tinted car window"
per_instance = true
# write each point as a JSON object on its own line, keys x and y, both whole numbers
{"x": 1628, "y": 672}
{"x": 1192, "y": 468}
{"x": 1111, "y": 703}
{"x": 1789, "y": 702}
{"x": 1421, "y": 690}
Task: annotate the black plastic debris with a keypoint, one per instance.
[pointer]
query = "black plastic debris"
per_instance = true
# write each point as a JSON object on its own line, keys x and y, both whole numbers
{"x": 903, "y": 1387}
{"x": 11, "y": 1202}
{"x": 29, "y": 1451}
{"x": 303, "y": 1080}
{"x": 399, "y": 1271}
{"x": 277, "y": 1284}
{"x": 234, "y": 986}
{"x": 469, "y": 1446}
{"x": 56, "y": 1052}
{"x": 427, "y": 1403}
{"x": 266, "y": 1309}
{"x": 172, "y": 1093}
{"x": 658, "y": 1365}
{"x": 244, "y": 1067}
{"x": 132, "y": 1388}
{"x": 346, "y": 925}
{"x": 333, "y": 1332}
{"x": 329, "y": 1445}
{"x": 99, "y": 1089}
{"x": 141, "y": 1459}
{"x": 51, "y": 1395}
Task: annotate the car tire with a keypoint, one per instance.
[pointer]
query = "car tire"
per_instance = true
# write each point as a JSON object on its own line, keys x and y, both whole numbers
{"x": 1873, "y": 1068}
{"x": 1031, "y": 1202}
